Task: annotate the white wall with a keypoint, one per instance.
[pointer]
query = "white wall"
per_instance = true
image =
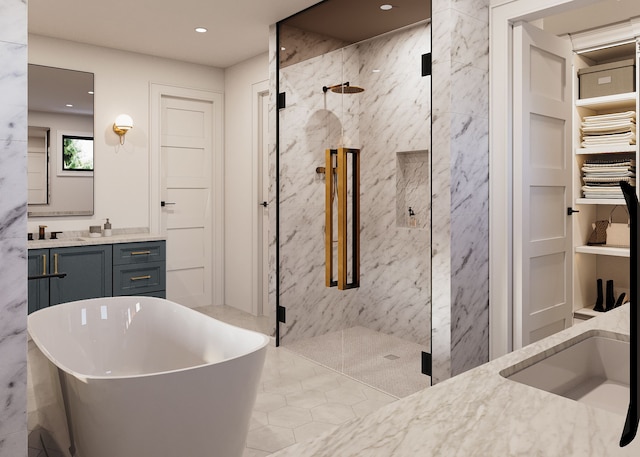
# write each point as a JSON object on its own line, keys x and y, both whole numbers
{"x": 121, "y": 85}
{"x": 240, "y": 203}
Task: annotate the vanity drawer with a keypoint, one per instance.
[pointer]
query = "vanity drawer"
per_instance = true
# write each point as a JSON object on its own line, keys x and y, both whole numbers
{"x": 139, "y": 279}
{"x": 135, "y": 253}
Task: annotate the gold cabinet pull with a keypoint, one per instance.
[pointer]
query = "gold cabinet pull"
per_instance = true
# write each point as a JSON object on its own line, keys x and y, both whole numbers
{"x": 44, "y": 264}
{"x": 140, "y": 278}
{"x": 55, "y": 264}
{"x": 141, "y": 253}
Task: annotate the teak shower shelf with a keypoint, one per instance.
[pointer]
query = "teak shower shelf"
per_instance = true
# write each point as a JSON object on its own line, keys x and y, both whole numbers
{"x": 339, "y": 172}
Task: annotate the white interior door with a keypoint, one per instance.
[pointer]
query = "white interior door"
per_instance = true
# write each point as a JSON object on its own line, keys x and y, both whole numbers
{"x": 186, "y": 188}
{"x": 543, "y": 251}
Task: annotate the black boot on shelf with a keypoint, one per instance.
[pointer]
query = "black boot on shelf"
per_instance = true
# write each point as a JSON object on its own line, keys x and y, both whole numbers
{"x": 600, "y": 299}
{"x": 621, "y": 300}
{"x": 611, "y": 299}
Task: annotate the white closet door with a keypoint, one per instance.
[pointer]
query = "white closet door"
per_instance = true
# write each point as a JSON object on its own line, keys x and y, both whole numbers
{"x": 543, "y": 257}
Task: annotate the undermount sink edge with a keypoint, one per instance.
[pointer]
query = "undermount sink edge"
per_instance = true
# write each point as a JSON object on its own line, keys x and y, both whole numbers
{"x": 513, "y": 369}
{"x": 591, "y": 368}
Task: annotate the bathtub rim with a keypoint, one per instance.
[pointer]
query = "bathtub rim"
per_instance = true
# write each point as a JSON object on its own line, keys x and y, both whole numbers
{"x": 266, "y": 340}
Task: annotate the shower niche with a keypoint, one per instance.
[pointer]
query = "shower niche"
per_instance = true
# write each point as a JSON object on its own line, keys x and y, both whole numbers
{"x": 348, "y": 86}
{"x": 412, "y": 189}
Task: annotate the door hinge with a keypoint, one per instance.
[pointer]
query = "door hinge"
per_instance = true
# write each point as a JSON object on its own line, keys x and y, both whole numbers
{"x": 282, "y": 100}
{"x": 426, "y": 363}
{"x": 426, "y": 64}
{"x": 282, "y": 314}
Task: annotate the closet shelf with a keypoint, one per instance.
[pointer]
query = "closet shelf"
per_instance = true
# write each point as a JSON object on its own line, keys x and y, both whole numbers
{"x": 609, "y": 102}
{"x": 603, "y": 250}
{"x": 600, "y": 201}
{"x": 586, "y": 312}
{"x": 604, "y": 149}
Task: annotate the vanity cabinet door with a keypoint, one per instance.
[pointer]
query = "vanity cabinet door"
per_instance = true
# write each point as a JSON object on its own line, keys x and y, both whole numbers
{"x": 88, "y": 269}
{"x": 38, "y": 289}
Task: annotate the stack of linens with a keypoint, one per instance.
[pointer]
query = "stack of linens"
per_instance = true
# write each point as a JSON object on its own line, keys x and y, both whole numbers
{"x": 609, "y": 129}
{"x": 602, "y": 177}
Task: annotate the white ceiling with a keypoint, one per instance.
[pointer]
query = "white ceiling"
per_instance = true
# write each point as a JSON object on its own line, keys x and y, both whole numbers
{"x": 238, "y": 29}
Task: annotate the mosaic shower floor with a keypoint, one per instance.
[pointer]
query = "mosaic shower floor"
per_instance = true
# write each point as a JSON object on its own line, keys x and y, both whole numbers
{"x": 382, "y": 361}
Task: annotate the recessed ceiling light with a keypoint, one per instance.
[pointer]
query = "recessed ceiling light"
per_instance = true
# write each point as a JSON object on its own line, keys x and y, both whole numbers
{"x": 386, "y": 7}
{"x": 375, "y": 71}
{"x": 69, "y": 105}
{"x": 201, "y": 29}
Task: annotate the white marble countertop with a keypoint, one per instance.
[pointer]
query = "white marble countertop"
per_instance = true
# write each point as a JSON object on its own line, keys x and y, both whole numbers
{"x": 67, "y": 239}
{"x": 481, "y": 413}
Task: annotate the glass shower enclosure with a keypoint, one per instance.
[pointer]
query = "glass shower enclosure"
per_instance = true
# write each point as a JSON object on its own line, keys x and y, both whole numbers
{"x": 354, "y": 192}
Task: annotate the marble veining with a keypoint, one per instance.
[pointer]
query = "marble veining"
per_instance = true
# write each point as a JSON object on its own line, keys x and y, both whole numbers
{"x": 460, "y": 183}
{"x": 13, "y": 224}
{"x": 389, "y": 118}
{"x": 481, "y": 413}
{"x": 81, "y": 238}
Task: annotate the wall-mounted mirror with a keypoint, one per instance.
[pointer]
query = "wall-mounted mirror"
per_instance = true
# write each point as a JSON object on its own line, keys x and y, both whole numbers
{"x": 60, "y": 145}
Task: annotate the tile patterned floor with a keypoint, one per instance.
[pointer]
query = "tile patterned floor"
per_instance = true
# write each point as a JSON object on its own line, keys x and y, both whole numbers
{"x": 297, "y": 400}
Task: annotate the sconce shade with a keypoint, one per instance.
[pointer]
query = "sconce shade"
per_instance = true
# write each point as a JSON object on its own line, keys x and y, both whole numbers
{"x": 122, "y": 125}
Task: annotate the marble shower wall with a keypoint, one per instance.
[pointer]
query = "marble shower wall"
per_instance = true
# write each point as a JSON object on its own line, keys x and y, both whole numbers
{"x": 461, "y": 186}
{"x": 13, "y": 228}
{"x": 390, "y": 123}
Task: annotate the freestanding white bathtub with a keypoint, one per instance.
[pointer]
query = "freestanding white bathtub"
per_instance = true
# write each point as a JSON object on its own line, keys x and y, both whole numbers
{"x": 143, "y": 376}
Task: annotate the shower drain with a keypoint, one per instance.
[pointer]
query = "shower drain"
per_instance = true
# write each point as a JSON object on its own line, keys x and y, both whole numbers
{"x": 391, "y": 357}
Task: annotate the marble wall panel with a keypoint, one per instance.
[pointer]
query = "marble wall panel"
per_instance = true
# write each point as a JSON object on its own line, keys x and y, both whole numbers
{"x": 391, "y": 116}
{"x": 13, "y": 227}
{"x": 300, "y": 45}
{"x": 460, "y": 182}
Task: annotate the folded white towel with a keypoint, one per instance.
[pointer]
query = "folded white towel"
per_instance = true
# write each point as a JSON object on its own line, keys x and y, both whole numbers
{"x": 611, "y": 116}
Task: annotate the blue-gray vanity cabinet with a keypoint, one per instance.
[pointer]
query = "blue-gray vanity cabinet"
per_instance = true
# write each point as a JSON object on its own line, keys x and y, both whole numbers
{"x": 38, "y": 289}
{"x": 139, "y": 269}
{"x": 87, "y": 274}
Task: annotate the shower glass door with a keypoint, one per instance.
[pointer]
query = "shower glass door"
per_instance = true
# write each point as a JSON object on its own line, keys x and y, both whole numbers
{"x": 366, "y": 92}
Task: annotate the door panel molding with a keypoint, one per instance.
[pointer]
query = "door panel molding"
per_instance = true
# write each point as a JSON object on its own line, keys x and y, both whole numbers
{"x": 157, "y": 92}
{"x": 258, "y": 262}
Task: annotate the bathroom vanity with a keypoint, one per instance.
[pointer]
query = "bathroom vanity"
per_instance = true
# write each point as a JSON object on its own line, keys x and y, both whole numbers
{"x": 76, "y": 268}
{"x": 484, "y": 413}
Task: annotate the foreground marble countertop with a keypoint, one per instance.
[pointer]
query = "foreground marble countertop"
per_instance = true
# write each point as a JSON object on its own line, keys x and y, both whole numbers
{"x": 68, "y": 239}
{"x": 480, "y": 413}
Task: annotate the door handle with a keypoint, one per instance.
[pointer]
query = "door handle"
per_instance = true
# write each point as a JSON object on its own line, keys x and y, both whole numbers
{"x": 264, "y": 204}
{"x": 570, "y": 211}
{"x": 163, "y": 203}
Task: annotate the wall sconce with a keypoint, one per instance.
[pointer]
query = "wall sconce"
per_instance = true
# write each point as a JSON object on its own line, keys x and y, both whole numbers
{"x": 122, "y": 125}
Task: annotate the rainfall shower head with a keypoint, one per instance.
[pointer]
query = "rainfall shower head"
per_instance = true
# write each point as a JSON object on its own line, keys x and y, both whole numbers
{"x": 344, "y": 88}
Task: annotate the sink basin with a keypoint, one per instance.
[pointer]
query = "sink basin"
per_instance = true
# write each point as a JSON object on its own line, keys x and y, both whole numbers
{"x": 593, "y": 369}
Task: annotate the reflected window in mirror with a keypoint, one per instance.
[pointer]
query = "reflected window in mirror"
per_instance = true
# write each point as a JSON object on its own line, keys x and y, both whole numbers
{"x": 77, "y": 153}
